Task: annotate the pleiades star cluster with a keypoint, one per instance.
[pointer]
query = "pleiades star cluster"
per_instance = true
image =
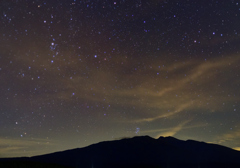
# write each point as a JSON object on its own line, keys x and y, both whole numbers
{"x": 77, "y": 72}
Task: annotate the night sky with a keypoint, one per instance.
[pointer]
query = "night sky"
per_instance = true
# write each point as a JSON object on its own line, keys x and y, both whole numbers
{"x": 77, "y": 72}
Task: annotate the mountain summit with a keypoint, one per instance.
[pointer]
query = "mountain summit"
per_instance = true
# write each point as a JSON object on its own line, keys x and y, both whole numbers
{"x": 142, "y": 151}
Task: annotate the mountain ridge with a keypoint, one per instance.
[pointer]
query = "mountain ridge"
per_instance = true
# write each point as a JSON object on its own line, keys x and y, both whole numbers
{"x": 144, "y": 151}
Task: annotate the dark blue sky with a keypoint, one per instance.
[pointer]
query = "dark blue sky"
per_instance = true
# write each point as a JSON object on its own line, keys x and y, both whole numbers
{"x": 73, "y": 72}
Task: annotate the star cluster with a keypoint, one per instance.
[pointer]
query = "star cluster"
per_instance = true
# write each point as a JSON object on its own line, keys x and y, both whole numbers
{"x": 76, "y": 72}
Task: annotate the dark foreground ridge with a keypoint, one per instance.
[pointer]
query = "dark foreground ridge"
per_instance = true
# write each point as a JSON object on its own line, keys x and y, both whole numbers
{"x": 136, "y": 152}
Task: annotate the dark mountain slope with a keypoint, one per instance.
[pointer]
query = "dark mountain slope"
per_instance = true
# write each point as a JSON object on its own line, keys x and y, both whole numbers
{"x": 145, "y": 151}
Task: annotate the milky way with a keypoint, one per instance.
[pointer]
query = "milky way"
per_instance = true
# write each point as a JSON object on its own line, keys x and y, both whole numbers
{"x": 73, "y": 72}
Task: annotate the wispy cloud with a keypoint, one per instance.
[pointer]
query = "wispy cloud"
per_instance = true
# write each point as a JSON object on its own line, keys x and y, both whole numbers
{"x": 24, "y": 147}
{"x": 183, "y": 92}
{"x": 178, "y": 109}
{"x": 174, "y": 130}
{"x": 237, "y": 148}
{"x": 153, "y": 87}
{"x": 171, "y": 131}
{"x": 230, "y": 138}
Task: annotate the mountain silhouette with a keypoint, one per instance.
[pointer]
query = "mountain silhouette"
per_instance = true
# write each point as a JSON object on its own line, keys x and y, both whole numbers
{"x": 139, "y": 152}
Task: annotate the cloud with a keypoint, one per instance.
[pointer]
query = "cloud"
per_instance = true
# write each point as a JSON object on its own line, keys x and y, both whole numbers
{"x": 237, "y": 148}
{"x": 172, "y": 131}
{"x": 166, "y": 88}
{"x": 178, "y": 109}
{"x": 23, "y": 147}
{"x": 191, "y": 85}
{"x": 229, "y": 138}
